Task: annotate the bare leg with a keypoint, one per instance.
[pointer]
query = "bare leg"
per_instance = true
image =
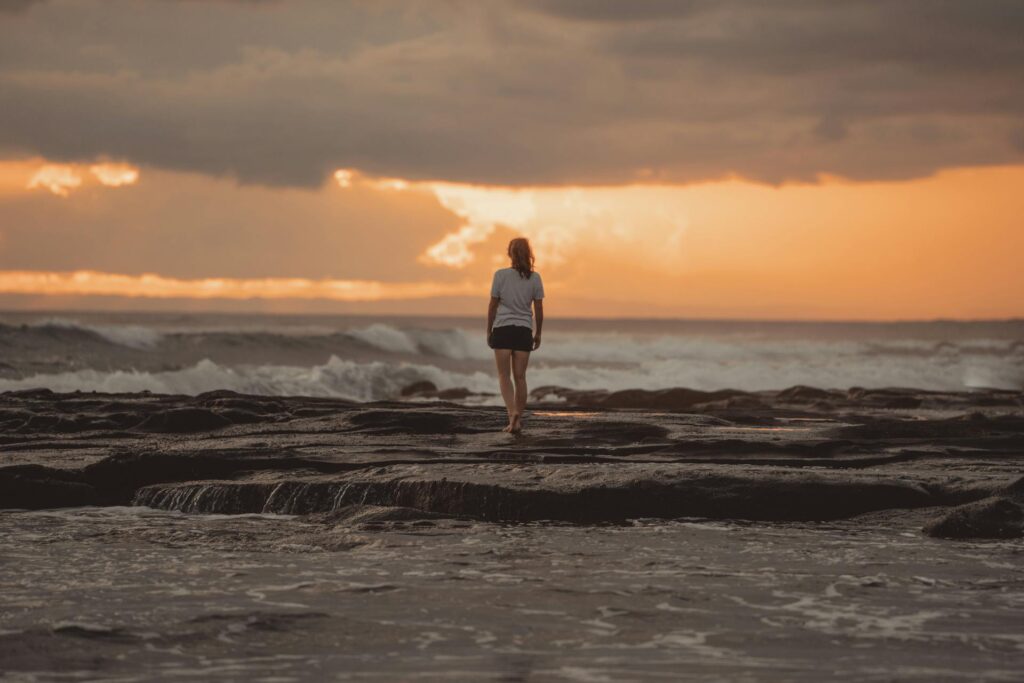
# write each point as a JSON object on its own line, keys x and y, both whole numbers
{"x": 503, "y": 359}
{"x": 520, "y": 359}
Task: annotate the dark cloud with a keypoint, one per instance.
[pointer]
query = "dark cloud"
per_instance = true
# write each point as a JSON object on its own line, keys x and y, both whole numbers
{"x": 790, "y": 38}
{"x": 538, "y": 92}
{"x": 618, "y": 11}
{"x": 12, "y": 6}
{"x": 1017, "y": 140}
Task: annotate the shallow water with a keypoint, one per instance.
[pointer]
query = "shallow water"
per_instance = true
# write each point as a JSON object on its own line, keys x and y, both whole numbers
{"x": 137, "y": 594}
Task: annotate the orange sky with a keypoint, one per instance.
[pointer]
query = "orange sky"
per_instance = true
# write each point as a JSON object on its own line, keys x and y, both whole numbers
{"x": 943, "y": 246}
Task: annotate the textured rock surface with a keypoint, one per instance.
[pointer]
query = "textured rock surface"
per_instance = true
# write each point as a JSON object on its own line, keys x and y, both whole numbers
{"x": 1000, "y": 516}
{"x": 799, "y": 454}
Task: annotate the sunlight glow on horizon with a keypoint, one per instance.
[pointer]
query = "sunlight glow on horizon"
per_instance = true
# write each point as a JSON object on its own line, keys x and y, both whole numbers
{"x": 62, "y": 179}
{"x": 482, "y": 209}
{"x": 552, "y": 217}
{"x": 942, "y": 246}
{"x": 148, "y": 285}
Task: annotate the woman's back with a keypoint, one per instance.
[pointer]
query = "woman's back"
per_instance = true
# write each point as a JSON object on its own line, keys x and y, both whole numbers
{"x": 517, "y": 294}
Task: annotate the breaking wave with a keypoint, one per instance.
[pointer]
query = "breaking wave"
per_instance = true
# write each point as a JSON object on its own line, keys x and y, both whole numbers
{"x": 376, "y": 361}
{"x": 132, "y": 336}
{"x": 455, "y": 343}
{"x": 336, "y": 378}
{"x": 380, "y": 380}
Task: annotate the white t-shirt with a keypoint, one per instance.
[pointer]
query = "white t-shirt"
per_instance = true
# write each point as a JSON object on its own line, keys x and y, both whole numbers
{"x": 517, "y": 294}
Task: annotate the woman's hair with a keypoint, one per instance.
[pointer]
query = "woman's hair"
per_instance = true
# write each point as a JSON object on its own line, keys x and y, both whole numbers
{"x": 522, "y": 256}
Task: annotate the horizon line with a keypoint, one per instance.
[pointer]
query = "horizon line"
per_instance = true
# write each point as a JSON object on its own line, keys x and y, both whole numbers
{"x": 573, "y": 318}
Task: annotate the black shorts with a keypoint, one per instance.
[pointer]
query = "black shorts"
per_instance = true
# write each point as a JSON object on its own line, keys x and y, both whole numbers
{"x": 514, "y": 337}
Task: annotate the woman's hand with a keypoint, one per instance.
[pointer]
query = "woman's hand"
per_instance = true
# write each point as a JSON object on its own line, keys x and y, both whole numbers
{"x": 536, "y": 341}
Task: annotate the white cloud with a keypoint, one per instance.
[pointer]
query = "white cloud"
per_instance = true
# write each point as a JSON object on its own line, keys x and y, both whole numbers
{"x": 115, "y": 175}
{"x": 57, "y": 178}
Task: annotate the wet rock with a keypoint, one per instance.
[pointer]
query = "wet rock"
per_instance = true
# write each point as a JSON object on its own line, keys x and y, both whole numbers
{"x": 731, "y": 405}
{"x": 29, "y": 394}
{"x": 804, "y": 394}
{"x": 574, "y": 397}
{"x": 455, "y": 394}
{"x": 610, "y": 498}
{"x": 1015, "y": 490}
{"x": 56, "y": 424}
{"x": 602, "y": 431}
{"x": 663, "y": 399}
{"x": 183, "y": 421}
{"x": 419, "y": 388}
{"x": 94, "y": 632}
{"x": 998, "y": 398}
{"x": 119, "y": 476}
{"x": 728, "y": 454}
{"x": 409, "y": 422}
{"x": 996, "y": 517}
{"x": 34, "y": 487}
{"x": 887, "y": 398}
{"x": 248, "y": 404}
{"x": 220, "y": 393}
{"x": 240, "y": 417}
{"x": 969, "y": 425}
{"x": 10, "y": 420}
{"x": 122, "y": 420}
{"x": 426, "y": 389}
{"x": 678, "y": 399}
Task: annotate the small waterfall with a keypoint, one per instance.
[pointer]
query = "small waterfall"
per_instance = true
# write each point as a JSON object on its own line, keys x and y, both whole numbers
{"x": 205, "y": 497}
{"x": 269, "y": 505}
{"x": 739, "y": 497}
{"x": 339, "y": 499}
{"x": 295, "y": 497}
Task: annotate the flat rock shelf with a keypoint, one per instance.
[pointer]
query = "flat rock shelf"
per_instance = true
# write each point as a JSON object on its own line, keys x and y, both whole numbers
{"x": 720, "y": 534}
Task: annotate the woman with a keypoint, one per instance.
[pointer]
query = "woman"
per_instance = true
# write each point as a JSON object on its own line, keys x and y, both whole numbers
{"x": 510, "y": 329}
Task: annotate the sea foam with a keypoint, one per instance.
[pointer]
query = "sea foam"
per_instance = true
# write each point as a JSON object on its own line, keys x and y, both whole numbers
{"x": 336, "y": 378}
{"x": 377, "y": 360}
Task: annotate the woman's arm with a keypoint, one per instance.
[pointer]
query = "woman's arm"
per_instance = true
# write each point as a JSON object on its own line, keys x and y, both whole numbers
{"x": 538, "y": 308}
{"x": 492, "y": 311}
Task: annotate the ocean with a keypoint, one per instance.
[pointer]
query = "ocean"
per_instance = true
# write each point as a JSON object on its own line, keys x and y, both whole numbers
{"x": 375, "y": 358}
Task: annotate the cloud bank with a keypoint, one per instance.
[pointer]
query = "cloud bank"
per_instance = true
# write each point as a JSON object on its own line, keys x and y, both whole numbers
{"x": 516, "y": 93}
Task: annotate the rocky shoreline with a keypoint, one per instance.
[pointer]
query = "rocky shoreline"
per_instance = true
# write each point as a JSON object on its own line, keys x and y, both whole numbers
{"x": 802, "y": 454}
{"x": 622, "y": 536}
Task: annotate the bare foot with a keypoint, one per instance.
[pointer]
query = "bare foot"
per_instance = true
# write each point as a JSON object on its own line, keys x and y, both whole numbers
{"x": 516, "y": 425}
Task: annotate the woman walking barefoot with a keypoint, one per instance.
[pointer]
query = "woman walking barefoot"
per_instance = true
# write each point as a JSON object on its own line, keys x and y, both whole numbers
{"x": 510, "y": 330}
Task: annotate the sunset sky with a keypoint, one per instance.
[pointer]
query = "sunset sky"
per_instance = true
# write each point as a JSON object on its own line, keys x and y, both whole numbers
{"x": 685, "y": 158}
